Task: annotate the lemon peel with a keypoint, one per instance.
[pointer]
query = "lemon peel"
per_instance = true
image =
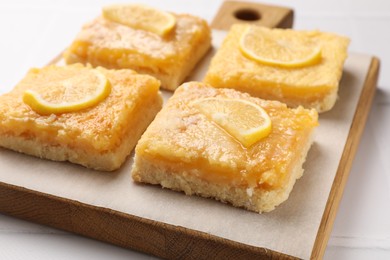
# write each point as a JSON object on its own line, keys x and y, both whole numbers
{"x": 244, "y": 120}
{"x": 45, "y": 107}
{"x": 139, "y": 16}
{"x": 279, "y": 48}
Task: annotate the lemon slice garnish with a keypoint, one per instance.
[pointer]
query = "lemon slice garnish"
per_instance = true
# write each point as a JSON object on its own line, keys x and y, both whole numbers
{"x": 279, "y": 47}
{"x": 81, "y": 90}
{"x": 141, "y": 17}
{"x": 244, "y": 120}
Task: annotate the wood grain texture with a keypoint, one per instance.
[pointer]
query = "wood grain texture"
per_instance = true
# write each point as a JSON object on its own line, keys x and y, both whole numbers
{"x": 128, "y": 231}
{"x": 175, "y": 242}
{"x": 351, "y": 146}
{"x": 232, "y": 12}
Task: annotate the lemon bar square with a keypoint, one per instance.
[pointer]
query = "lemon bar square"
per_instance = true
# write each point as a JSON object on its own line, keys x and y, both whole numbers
{"x": 184, "y": 150}
{"x": 312, "y": 84}
{"x": 98, "y": 137}
{"x": 169, "y": 58}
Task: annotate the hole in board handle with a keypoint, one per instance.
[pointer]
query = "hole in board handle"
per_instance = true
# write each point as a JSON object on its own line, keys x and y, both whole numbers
{"x": 247, "y": 15}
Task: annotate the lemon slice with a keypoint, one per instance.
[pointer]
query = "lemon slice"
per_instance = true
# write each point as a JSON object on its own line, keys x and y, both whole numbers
{"x": 141, "y": 17}
{"x": 283, "y": 48}
{"x": 79, "y": 90}
{"x": 244, "y": 120}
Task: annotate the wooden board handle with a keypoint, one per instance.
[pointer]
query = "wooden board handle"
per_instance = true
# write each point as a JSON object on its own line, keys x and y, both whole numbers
{"x": 232, "y": 12}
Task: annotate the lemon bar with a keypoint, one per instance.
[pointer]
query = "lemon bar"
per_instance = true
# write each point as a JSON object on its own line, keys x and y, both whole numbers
{"x": 184, "y": 149}
{"x": 294, "y": 67}
{"x": 170, "y": 58}
{"x": 100, "y": 136}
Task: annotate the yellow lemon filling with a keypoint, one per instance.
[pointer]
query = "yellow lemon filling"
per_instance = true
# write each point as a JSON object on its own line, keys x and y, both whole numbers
{"x": 183, "y": 136}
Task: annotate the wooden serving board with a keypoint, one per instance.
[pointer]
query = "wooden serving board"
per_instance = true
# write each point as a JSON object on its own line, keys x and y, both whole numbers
{"x": 111, "y": 208}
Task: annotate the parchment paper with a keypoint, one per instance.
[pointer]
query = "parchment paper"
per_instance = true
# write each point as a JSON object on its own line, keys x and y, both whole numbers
{"x": 290, "y": 229}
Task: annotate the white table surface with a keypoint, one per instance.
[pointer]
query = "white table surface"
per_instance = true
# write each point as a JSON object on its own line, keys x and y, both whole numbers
{"x": 33, "y": 32}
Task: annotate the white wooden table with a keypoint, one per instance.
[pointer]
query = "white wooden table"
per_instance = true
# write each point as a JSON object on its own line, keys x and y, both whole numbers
{"x": 33, "y": 32}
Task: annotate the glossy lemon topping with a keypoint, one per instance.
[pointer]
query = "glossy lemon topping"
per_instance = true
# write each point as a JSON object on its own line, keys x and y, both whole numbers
{"x": 103, "y": 42}
{"x": 99, "y": 127}
{"x": 183, "y": 137}
{"x": 303, "y": 85}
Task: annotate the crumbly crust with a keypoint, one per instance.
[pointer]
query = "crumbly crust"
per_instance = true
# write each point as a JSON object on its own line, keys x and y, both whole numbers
{"x": 253, "y": 199}
{"x": 103, "y": 161}
{"x": 184, "y": 151}
{"x": 100, "y": 137}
